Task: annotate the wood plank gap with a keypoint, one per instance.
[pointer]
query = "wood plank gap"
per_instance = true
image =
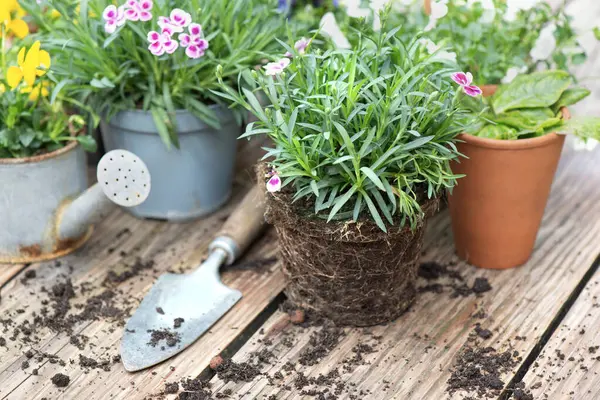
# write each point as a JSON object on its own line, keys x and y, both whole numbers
{"x": 247, "y": 333}
{"x": 15, "y": 270}
{"x": 554, "y": 324}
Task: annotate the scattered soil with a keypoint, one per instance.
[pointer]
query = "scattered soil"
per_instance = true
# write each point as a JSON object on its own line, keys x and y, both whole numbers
{"x": 89, "y": 363}
{"x": 29, "y": 274}
{"x": 478, "y": 370}
{"x": 482, "y": 333}
{"x": 172, "y": 388}
{"x": 61, "y": 380}
{"x": 177, "y": 322}
{"x": 138, "y": 267}
{"x": 445, "y": 278}
{"x": 520, "y": 392}
{"x": 230, "y": 371}
{"x": 171, "y": 338}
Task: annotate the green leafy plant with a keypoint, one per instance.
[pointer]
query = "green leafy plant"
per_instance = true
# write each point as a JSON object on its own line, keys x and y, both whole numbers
{"x": 135, "y": 57}
{"x": 531, "y": 106}
{"x": 496, "y": 43}
{"x": 30, "y": 123}
{"x": 364, "y": 132}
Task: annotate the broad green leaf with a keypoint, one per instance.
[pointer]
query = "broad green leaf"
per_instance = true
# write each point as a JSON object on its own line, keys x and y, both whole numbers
{"x": 570, "y": 96}
{"x": 533, "y": 119}
{"x": 539, "y": 89}
{"x": 498, "y": 132}
{"x": 583, "y": 127}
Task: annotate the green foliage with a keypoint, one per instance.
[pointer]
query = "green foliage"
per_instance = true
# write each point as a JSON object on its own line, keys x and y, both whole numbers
{"x": 490, "y": 49}
{"x": 530, "y": 106}
{"x": 530, "y": 91}
{"x": 30, "y": 124}
{"x": 29, "y": 128}
{"x": 115, "y": 72}
{"x": 369, "y": 131}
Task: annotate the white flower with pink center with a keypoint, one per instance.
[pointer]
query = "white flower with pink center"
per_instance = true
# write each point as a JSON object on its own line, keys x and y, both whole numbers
{"x": 194, "y": 43}
{"x": 193, "y": 38}
{"x": 197, "y": 49}
{"x": 465, "y": 80}
{"x": 168, "y": 27}
{"x": 161, "y": 43}
{"x": 274, "y": 183}
{"x": 138, "y": 10}
{"x": 275, "y": 68}
{"x": 180, "y": 18}
{"x": 114, "y": 17}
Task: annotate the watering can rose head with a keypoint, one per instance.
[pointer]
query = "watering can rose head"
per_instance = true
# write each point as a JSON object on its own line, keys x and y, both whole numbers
{"x": 347, "y": 139}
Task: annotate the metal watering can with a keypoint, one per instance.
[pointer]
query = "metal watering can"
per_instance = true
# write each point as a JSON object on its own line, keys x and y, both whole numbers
{"x": 46, "y": 207}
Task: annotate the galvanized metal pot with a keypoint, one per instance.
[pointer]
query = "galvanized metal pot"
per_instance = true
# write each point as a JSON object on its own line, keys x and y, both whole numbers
{"x": 189, "y": 182}
{"x": 32, "y": 190}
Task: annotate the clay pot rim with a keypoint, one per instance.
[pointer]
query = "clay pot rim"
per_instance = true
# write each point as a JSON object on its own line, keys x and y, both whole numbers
{"x": 42, "y": 157}
{"x": 519, "y": 144}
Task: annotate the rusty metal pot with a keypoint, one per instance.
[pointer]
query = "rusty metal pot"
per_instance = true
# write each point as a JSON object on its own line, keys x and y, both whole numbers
{"x": 46, "y": 208}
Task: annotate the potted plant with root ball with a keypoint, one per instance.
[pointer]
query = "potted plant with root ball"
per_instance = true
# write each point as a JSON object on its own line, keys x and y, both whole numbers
{"x": 511, "y": 155}
{"x": 148, "y": 68}
{"x": 363, "y": 140}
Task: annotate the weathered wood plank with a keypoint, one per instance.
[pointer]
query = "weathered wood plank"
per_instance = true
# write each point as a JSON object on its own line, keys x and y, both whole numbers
{"x": 171, "y": 246}
{"x": 416, "y": 352}
{"x": 116, "y": 244}
{"x": 569, "y": 365}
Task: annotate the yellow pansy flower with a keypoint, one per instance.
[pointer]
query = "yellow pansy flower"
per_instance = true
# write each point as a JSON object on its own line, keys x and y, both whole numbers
{"x": 41, "y": 89}
{"x": 16, "y": 25}
{"x": 35, "y": 63}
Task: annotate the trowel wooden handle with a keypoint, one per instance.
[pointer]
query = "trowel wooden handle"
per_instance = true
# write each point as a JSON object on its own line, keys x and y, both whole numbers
{"x": 243, "y": 225}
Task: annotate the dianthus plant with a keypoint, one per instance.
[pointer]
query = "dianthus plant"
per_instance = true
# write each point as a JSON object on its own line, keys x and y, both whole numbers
{"x": 362, "y": 133}
{"x": 155, "y": 55}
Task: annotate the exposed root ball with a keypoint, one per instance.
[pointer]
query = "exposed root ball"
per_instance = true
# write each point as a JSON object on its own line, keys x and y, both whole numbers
{"x": 350, "y": 272}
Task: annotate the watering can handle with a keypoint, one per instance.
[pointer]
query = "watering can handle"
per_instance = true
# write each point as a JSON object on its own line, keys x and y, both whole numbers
{"x": 243, "y": 226}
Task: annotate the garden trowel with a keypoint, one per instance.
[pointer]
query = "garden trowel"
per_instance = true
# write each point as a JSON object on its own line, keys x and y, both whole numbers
{"x": 179, "y": 308}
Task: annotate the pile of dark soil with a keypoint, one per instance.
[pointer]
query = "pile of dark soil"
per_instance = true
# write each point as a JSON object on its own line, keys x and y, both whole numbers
{"x": 441, "y": 278}
{"x": 478, "y": 370}
{"x": 61, "y": 380}
{"x": 171, "y": 338}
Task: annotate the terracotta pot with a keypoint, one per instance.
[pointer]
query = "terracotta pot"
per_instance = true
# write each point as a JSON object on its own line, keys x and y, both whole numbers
{"x": 488, "y": 90}
{"x": 427, "y": 6}
{"x": 497, "y": 207}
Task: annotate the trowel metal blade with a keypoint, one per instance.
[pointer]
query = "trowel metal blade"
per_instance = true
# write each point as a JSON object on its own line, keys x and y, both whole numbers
{"x": 199, "y": 298}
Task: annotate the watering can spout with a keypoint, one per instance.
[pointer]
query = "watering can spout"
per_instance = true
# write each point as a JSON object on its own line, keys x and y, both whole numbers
{"x": 123, "y": 180}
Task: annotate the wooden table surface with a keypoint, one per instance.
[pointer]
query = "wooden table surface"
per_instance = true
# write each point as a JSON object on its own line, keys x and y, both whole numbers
{"x": 547, "y": 310}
